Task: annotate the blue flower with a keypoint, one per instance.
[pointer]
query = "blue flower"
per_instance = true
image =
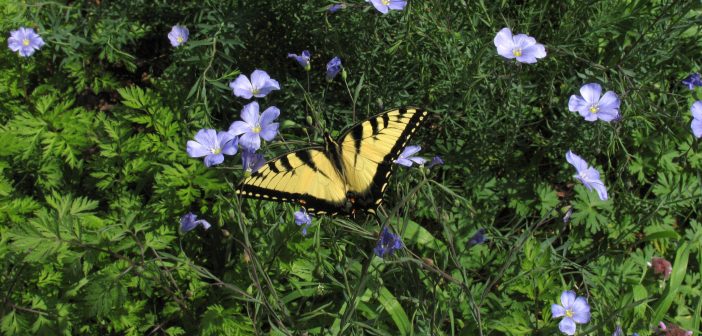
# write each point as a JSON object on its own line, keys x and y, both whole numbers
{"x": 24, "y": 41}
{"x": 693, "y": 80}
{"x": 212, "y": 146}
{"x": 302, "y": 218}
{"x": 251, "y": 161}
{"x": 189, "y": 221}
{"x": 406, "y": 159}
{"x": 589, "y": 176}
{"x": 618, "y": 331}
{"x": 696, "y": 124}
{"x": 574, "y": 310}
{"x": 435, "y": 161}
{"x": 333, "y": 68}
{"x": 384, "y": 6}
{"x": 259, "y": 86}
{"x": 522, "y": 47}
{"x": 255, "y": 126}
{"x": 388, "y": 243}
{"x": 592, "y": 107}
{"x": 478, "y": 237}
{"x": 303, "y": 59}
{"x": 335, "y": 8}
{"x": 178, "y": 35}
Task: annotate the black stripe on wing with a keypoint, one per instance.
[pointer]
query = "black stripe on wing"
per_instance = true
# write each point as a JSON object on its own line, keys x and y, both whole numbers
{"x": 374, "y": 196}
{"x": 281, "y": 166}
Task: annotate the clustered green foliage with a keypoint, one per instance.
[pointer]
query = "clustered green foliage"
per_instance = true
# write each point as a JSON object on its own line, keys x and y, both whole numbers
{"x": 94, "y": 174}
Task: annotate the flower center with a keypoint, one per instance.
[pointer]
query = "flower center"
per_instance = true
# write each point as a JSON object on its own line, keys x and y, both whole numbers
{"x": 385, "y": 2}
{"x": 179, "y": 39}
{"x": 569, "y": 313}
{"x": 517, "y": 52}
{"x": 257, "y": 128}
{"x": 216, "y": 150}
{"x": 25, "y": 42}
{"x": 594, "y": 108}
{"x": 255, "y": 91}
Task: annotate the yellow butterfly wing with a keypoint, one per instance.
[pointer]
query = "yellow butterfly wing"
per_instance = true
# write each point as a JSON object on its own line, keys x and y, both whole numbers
{"x": 306, "y": 177}
{"x": 368, "y": 151}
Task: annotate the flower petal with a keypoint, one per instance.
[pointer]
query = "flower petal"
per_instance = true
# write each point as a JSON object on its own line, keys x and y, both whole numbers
{"x": 410, "y": 150}
{"x": 205, "y": 224}
{"x": 397, "y": 4}
{"x": 259, "y": 78}
{"x": 568, "y": 298}
{"x": 195, "y": 149}
{"x": 591, "y": 93}
{"x": 378, "y": 4}
{"x": 557, "y": 310}
{"x": 580, "y": 165}
{"x": 239, "y": 127}
{"x": 207, "y": 137}
{"x": 601, "y": 190}
{"x": 697, "y": 110}
{"x": 418, "y": 160}
{"x": 567, "y": 326}
{"x": 581, "y": 310}
{"x": 610, "y": 101}
{"x": 230, "y": 147}
{"x": 214, "y": 159}
{"x": 523, "y": 41}
{"x": 696, "y": 127}
{"x": 536, "y": 51}
{"x": 250, "y": 141}
{"x": 268, "y": 132}
{"x": 504, "y": 43}
{"x": 249, "y": 114}
{"x": 269, "y": 115}
{"x": 404, "y": 162}
{"x": 242, "y": 87}
{"x": 577, "y": 103}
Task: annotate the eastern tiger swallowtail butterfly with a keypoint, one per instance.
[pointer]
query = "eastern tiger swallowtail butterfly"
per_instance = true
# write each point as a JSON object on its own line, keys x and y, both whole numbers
{"x": 345, "y": 176}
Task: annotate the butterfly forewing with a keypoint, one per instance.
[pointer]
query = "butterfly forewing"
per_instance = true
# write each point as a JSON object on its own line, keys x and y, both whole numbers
{"x": 369, "y": 148}
{"x": 306, "y": 177}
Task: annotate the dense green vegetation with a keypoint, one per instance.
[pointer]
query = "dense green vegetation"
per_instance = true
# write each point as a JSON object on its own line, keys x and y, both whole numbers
{"x": 94, "y": 174}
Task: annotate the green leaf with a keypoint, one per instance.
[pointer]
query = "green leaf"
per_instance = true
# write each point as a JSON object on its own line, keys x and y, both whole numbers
{"x": 393, "y": 307}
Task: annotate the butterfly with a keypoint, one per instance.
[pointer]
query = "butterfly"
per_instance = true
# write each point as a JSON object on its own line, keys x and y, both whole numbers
{"x": 347, "y": 175}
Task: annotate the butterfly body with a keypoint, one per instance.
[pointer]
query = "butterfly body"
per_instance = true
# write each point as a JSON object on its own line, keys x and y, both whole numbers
{"x": 347, "y": 175}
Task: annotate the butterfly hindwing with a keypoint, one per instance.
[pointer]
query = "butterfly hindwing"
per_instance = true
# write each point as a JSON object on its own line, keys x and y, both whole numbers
{"x": 369, "y": 148}
{"x": 306, "y": 177}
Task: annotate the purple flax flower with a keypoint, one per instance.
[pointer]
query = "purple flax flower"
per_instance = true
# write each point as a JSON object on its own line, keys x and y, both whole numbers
{"x": 696, "y": 124}
{"x": 333, "y": 68}
{"x": 618, "y": 331}
{"x": 388, "y": 243}
{"x": 212, "y": 146}
{"x": 693, "y": 80}
{"x": 478, "y": 237}
{"x": 575, "y": 310}
{"x": 303, "y": 59}
{"x": 178, "y": 35}
{"x": 255, "y": 126}
{"x": 25, "y": 41}
{"x": 406, "y": 159}
{"x": 259, "y": 86}
{"x": 189, "y": 221}
{"x": 522, "y": 47}
{"x": 592, "y": 107}
{"x": 435, "y": 161}
{"x": 335, "y": 8}
{"x": 589, "y": 176}
{"x": 302, "y": 218}
{"x": 384, "y": 6}
{"x": 251, "y": 161}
